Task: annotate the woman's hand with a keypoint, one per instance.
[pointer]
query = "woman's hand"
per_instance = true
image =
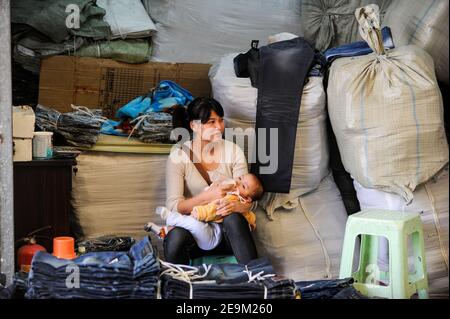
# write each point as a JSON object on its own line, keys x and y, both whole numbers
{"x": 227, "y": 207}
{"x": 216, "y": 191}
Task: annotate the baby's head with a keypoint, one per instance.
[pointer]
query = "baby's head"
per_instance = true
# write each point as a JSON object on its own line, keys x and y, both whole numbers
{"x": 249, "y": 187}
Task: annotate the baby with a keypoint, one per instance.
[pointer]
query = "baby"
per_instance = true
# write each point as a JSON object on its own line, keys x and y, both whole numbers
{"x": 202, "y": 223}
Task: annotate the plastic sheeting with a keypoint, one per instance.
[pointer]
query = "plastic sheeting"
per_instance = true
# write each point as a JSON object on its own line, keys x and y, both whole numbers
{"x": 127, "y": 18}
{"x": 129, "y": 51}
{"x": 116, "y": 194}
{"x": 50, "y": 17}
{"x": 389, "y": 123}
{"x": 331, "y": 23}
{"x": 305, "y": 243}
{"x": 425, "y": 24}
{"x": 202, "y": 31}
{"x": 432, "y": 200}
{"x": 238, "y": 99}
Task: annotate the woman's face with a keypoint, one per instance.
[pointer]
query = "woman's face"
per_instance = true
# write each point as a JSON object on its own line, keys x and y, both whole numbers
{"x": 212, "y": 130}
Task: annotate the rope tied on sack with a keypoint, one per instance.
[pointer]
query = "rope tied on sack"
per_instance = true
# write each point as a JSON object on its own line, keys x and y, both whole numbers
{"x": 368, "y": 18}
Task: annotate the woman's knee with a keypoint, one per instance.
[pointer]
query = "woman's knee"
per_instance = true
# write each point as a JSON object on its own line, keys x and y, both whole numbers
{"x": 175, "y": 243}
{"x": 234, "y": 220}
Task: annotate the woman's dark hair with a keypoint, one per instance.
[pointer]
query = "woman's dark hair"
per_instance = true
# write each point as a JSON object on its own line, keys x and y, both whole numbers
{"x": 200, "y": 109}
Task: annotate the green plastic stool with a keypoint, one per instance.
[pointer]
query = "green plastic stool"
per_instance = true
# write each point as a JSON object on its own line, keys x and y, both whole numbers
{"x": 396, "y": 227}
{"x": 214, "y": 259}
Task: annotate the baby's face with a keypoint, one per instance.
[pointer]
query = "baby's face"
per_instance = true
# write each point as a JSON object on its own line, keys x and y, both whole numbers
{"x": 246, "y": 185}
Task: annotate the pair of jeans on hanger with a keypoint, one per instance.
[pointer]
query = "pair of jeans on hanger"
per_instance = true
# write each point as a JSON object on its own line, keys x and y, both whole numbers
{"x": 282, "y": 71}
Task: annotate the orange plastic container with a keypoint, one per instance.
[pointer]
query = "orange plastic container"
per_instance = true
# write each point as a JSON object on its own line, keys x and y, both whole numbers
{"x": 64, "y": 247}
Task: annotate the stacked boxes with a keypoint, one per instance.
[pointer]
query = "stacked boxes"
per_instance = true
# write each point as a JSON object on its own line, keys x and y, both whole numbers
{"x": 23, "y": 130}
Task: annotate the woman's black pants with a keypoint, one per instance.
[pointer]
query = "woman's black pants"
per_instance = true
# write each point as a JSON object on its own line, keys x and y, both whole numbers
{"x": 180, "y": 246}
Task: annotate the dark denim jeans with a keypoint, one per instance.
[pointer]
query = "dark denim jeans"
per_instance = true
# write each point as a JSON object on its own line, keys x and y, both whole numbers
{"x": 358, "y": 48}
{"x": 231, "y": 281}
{"x": 322, "y": 289}
{"x": 132, "y": 274}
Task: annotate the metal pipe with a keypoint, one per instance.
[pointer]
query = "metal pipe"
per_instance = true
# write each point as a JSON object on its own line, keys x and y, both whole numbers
{"x": 6, "y": 142}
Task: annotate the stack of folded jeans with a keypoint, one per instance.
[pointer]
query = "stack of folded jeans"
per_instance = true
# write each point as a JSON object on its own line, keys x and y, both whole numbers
{"x": 328, "y": 289}
{"x": 104, "y": 275}
{"x": 256, "y": 280}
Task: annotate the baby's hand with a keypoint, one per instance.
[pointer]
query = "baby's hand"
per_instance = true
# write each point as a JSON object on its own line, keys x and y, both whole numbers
{"x": 194, "y": 213}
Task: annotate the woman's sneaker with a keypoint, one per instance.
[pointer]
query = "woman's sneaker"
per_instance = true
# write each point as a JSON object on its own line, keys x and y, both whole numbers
{"x": 159, "y": 231}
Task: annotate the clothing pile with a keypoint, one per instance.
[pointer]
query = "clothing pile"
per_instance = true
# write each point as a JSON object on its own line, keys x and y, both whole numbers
{"x": 80, "y": 128}
{"x": 42, "y": 28}
{"x": 150, "y": 116}
{"x": 103, "y": 275}
{"x": 105, "y": 243}
{"x": 256, "y": 280}
{"x": 328, "y": 289}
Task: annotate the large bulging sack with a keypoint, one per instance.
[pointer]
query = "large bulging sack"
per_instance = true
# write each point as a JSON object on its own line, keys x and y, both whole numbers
{"x": 387, "y": 115}
{"x": 238, "y": 99}
{"x": 432, "y": 201}
{"x": 116, "y": 193}
{"x": 425, "y": 24}
{"x": 332, "y": 23}
{"x": 203, "y": 31}
{"x": 305, "y": 243}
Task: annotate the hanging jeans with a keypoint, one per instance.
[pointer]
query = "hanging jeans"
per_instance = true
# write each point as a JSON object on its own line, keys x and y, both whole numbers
{"x": 283, "y": 68}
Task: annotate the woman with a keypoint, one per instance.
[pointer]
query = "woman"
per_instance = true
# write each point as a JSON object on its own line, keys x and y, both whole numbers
{"x": 187, "y": 186}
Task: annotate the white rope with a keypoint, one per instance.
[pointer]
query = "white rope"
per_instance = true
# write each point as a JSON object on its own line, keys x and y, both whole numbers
{"x": 190, "y": 274}
{"x": 437, "y": 224}
{"x": 259, "y": 277}
{"x": 139, "y": 121}
{"x": 324, "y": 249}
{"x": 87, "y": 111}
{"x": 158, "y": 291}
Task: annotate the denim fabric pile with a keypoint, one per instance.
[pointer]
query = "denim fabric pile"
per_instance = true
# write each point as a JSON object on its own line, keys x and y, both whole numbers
{"x": 328, "y": 289}
{"x": 103, "y": 275}
{"x": 256, "y": 280}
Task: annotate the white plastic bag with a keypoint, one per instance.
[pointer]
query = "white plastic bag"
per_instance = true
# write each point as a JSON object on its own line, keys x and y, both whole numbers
{"x": 127, "y": 18}
{"x": 202, "y": 31}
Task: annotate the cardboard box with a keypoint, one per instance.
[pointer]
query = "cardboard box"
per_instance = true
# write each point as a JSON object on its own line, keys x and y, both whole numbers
{"x": 23, "y": 121}
{"x": 22, "y": 149}
{"x": 107, "y": 84}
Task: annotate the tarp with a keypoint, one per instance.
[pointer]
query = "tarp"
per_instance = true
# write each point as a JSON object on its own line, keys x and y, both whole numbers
{"x": 49, "y": 17}
{"x": 130, "y": 51}
{"x": 127, "y": 18}
{"x": 202, "y": 31}
{"x": 331, "y": 23}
